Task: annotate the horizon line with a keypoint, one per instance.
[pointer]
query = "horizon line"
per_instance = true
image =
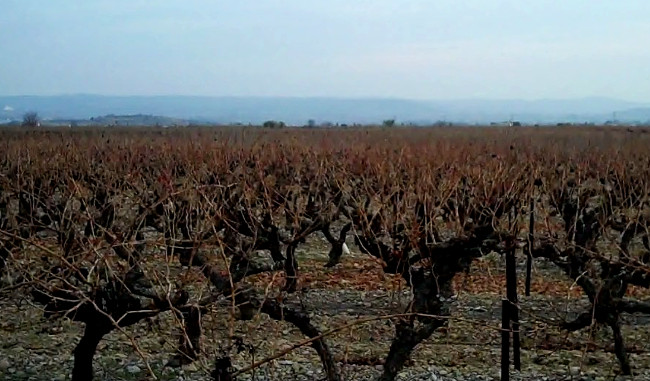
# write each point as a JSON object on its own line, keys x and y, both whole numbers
{"x": 336, "y": 97}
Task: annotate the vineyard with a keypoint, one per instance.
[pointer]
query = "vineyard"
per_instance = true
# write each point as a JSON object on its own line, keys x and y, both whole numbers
{"x": 330, "y": 254}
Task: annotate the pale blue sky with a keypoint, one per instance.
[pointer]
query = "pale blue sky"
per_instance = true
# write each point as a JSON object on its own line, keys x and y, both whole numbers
{"x": 420, "y": 49}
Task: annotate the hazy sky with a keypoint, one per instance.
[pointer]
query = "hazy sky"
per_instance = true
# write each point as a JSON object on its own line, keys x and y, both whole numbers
{"x": 419, "y": 49}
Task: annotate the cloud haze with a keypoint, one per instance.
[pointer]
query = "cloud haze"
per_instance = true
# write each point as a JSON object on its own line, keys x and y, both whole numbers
{"x": 410, "y": 49}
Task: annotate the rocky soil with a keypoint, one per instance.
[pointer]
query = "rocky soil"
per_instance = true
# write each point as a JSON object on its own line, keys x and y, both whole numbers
{"x": 32, "y": 348}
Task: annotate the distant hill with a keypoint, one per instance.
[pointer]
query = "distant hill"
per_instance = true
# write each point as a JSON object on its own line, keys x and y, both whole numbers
{"x": 118, "y": 121}
{"x": 634, "y": 114}
{"x": 297, "y": 111}
{"x": 135, "y": 120}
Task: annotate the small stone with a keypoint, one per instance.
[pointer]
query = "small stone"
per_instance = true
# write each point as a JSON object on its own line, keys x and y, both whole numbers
{"x": 574, "y": 370}
{"x": 133, "y": 369}
{"x": 4, "y": 364}
{"x": 379, "y": 367}
{"x": 285, "y": 362}
{"x": 540, "y": 360}
{"x": 592, "y": 360}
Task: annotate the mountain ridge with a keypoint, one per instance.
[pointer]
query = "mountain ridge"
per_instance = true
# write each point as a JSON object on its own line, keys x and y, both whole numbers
{"x": 298, "y": 110}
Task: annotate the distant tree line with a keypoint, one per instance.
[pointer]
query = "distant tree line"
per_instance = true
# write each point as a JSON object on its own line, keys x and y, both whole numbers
{"x": 274, "y": 124}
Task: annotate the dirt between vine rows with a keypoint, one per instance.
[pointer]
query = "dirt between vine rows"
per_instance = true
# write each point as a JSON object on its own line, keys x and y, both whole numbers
{"x": 32, "y": 348}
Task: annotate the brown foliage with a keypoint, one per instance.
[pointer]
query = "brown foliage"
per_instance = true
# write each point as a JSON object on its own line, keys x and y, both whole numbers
{"x": 110, "y": 228}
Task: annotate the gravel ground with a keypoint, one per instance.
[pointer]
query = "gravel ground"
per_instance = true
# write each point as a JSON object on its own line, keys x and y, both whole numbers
{"x": 32, "y": 348}
{"x": 468, "y": 349}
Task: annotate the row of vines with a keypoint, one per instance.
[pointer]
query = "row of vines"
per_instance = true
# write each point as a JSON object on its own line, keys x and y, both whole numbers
{"x": 110, "y": 228}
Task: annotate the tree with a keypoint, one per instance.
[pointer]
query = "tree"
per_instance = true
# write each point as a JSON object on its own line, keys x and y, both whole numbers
{"x": 389, "y": 122}
{"x": 273, "y": 124}
{"x": 30, "y": 119}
